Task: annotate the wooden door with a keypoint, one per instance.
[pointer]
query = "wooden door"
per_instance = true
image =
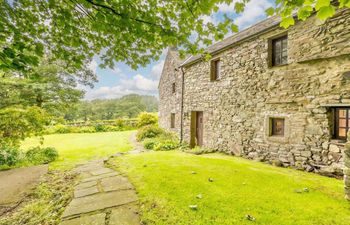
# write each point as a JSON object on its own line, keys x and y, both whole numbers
{"x": 199, "y": 128}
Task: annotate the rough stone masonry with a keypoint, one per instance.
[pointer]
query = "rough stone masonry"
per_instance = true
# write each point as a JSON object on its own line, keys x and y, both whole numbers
{"x": 239, "y": 108}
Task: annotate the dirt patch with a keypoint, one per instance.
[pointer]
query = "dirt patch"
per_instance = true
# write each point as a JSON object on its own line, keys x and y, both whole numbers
{"x": 46, "y": 203}
{"x": 16, "y": 182}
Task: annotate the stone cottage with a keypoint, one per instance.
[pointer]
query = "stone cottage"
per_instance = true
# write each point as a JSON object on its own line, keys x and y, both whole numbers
{"x": 267, "y": 94}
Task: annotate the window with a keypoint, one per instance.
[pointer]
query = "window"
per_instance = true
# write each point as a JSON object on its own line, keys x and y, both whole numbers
{"x": 172, "y": 120}
{"x": 277, "y": 126}
{"x": 342, "y": 123}
{"x": 279, "y": 51}
{"x": 215, "y": 69}
{"x": 173, "y": 87}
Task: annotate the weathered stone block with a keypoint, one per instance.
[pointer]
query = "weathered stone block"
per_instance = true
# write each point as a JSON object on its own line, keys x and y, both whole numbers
{"x": 334, "y": 148}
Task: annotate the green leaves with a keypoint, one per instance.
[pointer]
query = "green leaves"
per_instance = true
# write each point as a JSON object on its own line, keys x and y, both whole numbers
{"x": 326, "y": 12}
{"x": 324, "y": 9}
{"x": 287, "y": 22}
{"x": 239, "y": 7}
{"x": 270, "y": 11}
{"x": 322, "y": 3}
{"x": 344, "y": 3}
{"x": 305, "y": 12}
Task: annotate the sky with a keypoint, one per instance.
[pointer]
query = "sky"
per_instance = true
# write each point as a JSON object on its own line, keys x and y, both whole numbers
{"x": 122, "y": 80}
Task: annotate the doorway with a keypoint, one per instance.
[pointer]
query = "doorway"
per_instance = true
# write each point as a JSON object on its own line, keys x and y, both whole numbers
{"x": 196, "y": 129}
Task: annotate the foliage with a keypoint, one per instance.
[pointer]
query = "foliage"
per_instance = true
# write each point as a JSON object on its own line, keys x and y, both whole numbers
{"x": 78, "y": 148}
{"x": 131, "y": 31}
{"x": 128, "y": 106}
{"x": 145, "y": 119}
{"x": 166, "y": 145}
{"x": 149, "y": 143}
{"x": 173, "y": 180}
{"x": 150, "y": 131}
{"x": 160, "y": 140}
{"x": 29, "y": 101}
{"x": 47, "y": 202}
{"x": 38, "y": 155}
{"x": 304, "y": 9}
{"x": 9, "y": 156}
{"x": 18, "y": 123}
{"x": 91, "y": 127}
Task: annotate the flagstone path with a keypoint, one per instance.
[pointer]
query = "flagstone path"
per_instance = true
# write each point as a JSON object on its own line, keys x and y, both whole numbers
{"x": 102, "y": 197}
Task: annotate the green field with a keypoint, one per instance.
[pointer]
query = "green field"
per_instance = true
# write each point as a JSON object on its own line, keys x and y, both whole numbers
{"x": 167, "y": 187}
{"x": 77, "y": 148}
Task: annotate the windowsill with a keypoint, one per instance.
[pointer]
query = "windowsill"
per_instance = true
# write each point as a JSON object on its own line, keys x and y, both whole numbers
{"x": 277, "y": 66}
{"x": 338, "y": 142}
{"x": 277, "y": 138}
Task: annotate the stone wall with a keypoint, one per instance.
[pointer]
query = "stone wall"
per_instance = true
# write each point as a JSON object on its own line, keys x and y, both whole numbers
{"x": 237, "y": 108}
{"x": 170, "y": 102}
{"x": 347, "y": 171}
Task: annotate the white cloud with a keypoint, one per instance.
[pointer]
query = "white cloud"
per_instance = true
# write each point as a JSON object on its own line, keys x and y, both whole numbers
{"x": 93, "y": 66}
{"x": 157, "y": 69}
{"x": 253, "y": 12}
{"x": 137, "y": 84}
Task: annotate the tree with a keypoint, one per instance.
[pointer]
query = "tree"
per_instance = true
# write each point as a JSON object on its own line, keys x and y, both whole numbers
{"x": 105, "y": 109}
{"x": 17, "y": 123}
{"x": 290, "y": 10}
{"x": 132, "y": 31}
{"x": 49, "y": 86}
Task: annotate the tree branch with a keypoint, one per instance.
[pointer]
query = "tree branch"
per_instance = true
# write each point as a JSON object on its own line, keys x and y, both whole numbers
{"x": 125, "y": 15}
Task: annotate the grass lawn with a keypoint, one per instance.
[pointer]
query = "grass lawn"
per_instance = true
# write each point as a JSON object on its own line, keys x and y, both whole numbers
{"x": 166, "y": 187}
{"x": 76, "y": 148}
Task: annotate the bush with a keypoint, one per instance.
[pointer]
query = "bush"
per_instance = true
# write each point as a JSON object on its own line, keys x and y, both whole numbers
{"x": 166, "y": 145}
{"x": 87, "y": 129}
{"x": 149, "y": 132}
{"x": 145, "y": 119}
{"x": 9, "y": 156}
{"x": 39, "y": 155}
{"x": 155, "y": 138}
{"x": 150, "y": 143}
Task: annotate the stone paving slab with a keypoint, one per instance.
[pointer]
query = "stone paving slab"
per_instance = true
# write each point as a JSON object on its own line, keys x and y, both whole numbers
{"x": 125, "y": 215}
{"x": 99, "y": 201}
{"x": 86, "y": 184}
{"x": 96, "y": 219}
{"x": 78, "y": 193}
{"x": 92, "y": 178}
{"x": 115, "y": 183}
{"x": 101, "y": 171}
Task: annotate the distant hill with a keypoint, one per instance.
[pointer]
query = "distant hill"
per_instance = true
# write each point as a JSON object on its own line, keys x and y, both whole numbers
{"x": 105, "y": 109}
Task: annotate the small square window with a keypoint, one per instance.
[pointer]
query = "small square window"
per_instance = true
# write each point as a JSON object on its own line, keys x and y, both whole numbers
{"x": 215, "y": 67}
{"x": 172, "y": 120}
{"x": 277, "y": 126}
{"x": 341, "y": 123}
{"x": 173, "y": 87}
{"x": 279, "y": 51}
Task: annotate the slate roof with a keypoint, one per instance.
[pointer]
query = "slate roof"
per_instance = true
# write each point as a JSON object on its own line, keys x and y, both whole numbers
{"x": 240, "y": 36}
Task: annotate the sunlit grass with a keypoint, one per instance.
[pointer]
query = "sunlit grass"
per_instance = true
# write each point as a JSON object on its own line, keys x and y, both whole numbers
{"x": 77, "y": 148}
{"x": 167, "y": 186}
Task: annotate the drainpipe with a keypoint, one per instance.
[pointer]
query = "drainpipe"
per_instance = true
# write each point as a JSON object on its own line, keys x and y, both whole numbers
{"x": 182, "y": 103}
